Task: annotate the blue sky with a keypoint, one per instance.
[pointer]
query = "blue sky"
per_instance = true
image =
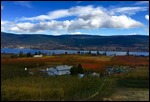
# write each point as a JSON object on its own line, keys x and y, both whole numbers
{"x": 75, "y": 17}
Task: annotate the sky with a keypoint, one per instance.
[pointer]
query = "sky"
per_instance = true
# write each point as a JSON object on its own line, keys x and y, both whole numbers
{"x": 75, "y": 17}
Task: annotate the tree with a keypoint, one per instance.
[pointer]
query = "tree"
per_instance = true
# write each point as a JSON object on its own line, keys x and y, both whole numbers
{"x": 97, "y": 52}
{"x": 82, "y": 53}
{"x": 89, "y": 53}
{"x": 127, "y": 53}
{"x": 78, "y": 52}
{"x": 53, "y": 53}
{"x": 35, "y": 53}
{"x": 29, "y": 54}
{"x": 39, "y": 53}
{"x": 104, "y": 53}
{"x": 73, "y": 71}
{"x": 80, "y": 69}
{"x": 77, "y": 70}
{"x": 21, "y": 54}
{"x": 14, "y": 56}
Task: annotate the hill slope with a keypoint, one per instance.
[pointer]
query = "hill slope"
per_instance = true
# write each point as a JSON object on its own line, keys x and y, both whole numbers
{"x": 76, "y": 42}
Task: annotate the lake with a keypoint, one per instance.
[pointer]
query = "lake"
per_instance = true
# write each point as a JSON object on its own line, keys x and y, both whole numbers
{"x": 50, "y": 52}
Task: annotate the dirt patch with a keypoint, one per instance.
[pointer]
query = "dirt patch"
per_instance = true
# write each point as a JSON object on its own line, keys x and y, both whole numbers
{"x": 131, "y": 94}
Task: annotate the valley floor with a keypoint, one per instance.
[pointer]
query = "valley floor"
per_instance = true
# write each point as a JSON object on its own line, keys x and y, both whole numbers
{"x": 18, "y": 85}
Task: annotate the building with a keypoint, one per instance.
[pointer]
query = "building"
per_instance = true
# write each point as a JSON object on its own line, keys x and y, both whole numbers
{"x": 38, "y": 56}
{"x": 119, "y": 71}
{"x": 95, "y": 74}
{"x": 52, "y": 71}
{"x": 109, "y": 70}
{"x": 112, "y": 70}
{"x": 80, "y": 75}
{"x": 59, "y": 70}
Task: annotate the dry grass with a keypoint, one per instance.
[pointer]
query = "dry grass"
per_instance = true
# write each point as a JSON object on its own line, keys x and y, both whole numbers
{"x": 131, "y": 94}
{"x": 96, "y": 58}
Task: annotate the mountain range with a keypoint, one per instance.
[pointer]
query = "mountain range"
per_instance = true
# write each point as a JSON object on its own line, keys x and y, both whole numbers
{"x": 76, "y": 42}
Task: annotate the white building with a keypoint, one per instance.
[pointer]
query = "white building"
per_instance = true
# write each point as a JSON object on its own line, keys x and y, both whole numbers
{"x": 81, "y": 75}
{"x": 52, "y": 71}
{"x": 25, "y": 69}
{"x": 95, "y": 74}
{"x": 59, "y": 70}
{"x": 38, "y": 56}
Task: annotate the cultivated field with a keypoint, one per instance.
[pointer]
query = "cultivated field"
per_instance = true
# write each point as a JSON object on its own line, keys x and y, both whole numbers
{"x": 18, "y": 85}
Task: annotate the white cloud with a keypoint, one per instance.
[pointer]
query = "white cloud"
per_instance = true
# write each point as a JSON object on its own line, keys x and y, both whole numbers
{"x": 86, "y": 17}
{"x": 124, "y": 22}
{"x": 51, "y": 15}
{"x": 15, "y": 29}
{"x": 76, "y": 33}
{"x": 6, "y": 25}
{"x": 142, "y": 2}
{"x": 3, "y": 22}
{"x": 135, "y": 34}
{"x": 74, "y": 11}
{"x": 24, "y": 3}
{"x": 73, "y": 25}
{"x": 79, "y": 11}
{"x": 147, "y": 17}
{"x": 128, "y": 10}
{"x": 132, "y": 34}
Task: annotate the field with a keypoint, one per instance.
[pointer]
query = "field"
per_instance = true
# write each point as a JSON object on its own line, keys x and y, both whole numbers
{"x": 18, "y": 85}
{"x": 131, "y": 94}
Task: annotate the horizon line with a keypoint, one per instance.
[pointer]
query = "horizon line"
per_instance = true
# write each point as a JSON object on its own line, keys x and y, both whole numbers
{"x": 72, "y": 34}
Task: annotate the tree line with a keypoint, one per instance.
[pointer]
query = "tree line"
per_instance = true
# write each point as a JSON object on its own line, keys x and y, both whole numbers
{"x": 21, "y": 54}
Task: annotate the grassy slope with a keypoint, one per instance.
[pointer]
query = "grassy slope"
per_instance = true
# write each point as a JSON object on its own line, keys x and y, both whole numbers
{"x": 19, "y": 85}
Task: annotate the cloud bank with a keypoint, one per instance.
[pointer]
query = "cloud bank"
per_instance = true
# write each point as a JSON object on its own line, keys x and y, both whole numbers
{"x": 85, "y": 18}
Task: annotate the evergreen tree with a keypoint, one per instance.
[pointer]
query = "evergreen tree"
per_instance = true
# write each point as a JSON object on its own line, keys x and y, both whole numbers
{"x": 21, "y": 54}
{"x": 127, "y": 53}
{"x": 35, "y": 53}
{"x": 89, "y": 53}
{"x": 73, "y": 71}
{"x": 29, "y": 54}
{"x": 77, "y": 70}
{"x": 39, "y": 53}
{"x": 97, "y": 52}
{"x": 80, "y": 69}
{"x": 104, "y": 53}
{"x": 78, "y": 52}
{"x": 53, "y": 53}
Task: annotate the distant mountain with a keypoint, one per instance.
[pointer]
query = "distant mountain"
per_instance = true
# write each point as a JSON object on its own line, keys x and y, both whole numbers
{"x": 76, "y": 42}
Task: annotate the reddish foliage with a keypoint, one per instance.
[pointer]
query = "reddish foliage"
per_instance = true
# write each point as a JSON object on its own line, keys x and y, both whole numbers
{"x": 129, "y": 60}
{"x": 31, "y": 60}
{"x": 98, "y": 66}
{"x": 86, "y": 63}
